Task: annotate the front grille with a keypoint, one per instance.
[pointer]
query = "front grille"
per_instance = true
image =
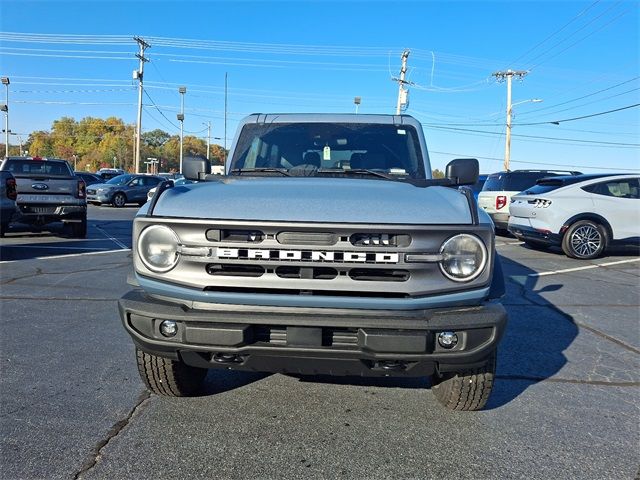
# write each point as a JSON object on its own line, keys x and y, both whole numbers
{"x": 91, "y": 191}
{"x": 312, "y": 260}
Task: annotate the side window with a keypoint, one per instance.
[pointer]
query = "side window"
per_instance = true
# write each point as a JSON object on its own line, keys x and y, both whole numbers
{"x": 627, "y": 188}
{"x": 151, "y": 181}
{"x": 136, "y": 182}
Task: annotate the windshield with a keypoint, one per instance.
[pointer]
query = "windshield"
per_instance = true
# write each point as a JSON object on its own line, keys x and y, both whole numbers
{"x": 120, "y": 180}
{"x": 315, "y": 148}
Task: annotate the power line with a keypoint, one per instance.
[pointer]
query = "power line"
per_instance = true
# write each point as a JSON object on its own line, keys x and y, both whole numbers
{"x": 584, "y": 116}
{"x": 595, "y": 142}
{"x": 467, "y": 155}
{"x": 160, "y": 111}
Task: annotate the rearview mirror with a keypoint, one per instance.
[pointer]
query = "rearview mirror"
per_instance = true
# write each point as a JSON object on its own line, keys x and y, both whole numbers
{"x": 195, "y": 168}
{"x": 463, "y": 171}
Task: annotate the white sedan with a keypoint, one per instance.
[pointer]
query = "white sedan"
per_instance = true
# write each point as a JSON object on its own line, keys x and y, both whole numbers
{"x": 583, "y": 214}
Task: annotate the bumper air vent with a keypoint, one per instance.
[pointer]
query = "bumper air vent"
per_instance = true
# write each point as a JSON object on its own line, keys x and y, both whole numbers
{"x": 379, "y": 275}
{"x": 307, "y": 238}
{"x": 242, "y": 236}
{"x": 380, "y": 240}
{"x": 310, "y": 273}
{"x": 235, "y": 270}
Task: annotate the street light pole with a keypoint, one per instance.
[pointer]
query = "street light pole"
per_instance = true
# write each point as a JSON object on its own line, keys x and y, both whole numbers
{"x": 6, "y": 82}
{"x": 208, "y": 124}
{"x": 182, "y": 91}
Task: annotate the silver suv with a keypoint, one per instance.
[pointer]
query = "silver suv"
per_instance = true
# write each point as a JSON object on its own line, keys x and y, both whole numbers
{"x": 327, "y": 248}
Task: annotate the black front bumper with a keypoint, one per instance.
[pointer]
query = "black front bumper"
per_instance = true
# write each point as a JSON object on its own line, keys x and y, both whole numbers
{"x": 315, "y": 340}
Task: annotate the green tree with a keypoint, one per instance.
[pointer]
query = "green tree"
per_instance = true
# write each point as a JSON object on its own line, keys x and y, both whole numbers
{"x": 63, "y": 133}
{"x": 40, "y": 144}
{"x": 218, "y": 154}
{"x": 437, "y": 173}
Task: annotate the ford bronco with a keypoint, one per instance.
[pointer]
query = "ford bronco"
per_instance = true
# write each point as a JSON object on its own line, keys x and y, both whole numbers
{"x": 326, "y": 248}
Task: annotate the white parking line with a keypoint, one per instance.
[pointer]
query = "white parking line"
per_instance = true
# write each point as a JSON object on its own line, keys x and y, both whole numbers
{"x": 587, "y": 267}
{"x": 113, "y": 239}
{"x": 71, "y": 255}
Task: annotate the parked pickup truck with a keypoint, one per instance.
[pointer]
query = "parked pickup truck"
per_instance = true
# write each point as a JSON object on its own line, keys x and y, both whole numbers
{"x": 8, "y": 194}
{"x": 48, "y": 191}
{"x": 327, "y": 248}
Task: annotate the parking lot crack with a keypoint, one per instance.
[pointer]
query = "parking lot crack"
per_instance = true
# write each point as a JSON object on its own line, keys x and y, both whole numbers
{"x": 113, "y": 432}
{"x": 39, "y": 272}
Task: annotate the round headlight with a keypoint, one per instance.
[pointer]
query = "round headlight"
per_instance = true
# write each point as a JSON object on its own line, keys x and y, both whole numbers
{"x": 158, "y": 248}
{"x": 464, "y": 257}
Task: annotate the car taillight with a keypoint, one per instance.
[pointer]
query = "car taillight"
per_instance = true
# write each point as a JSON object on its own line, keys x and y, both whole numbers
{"x": 12, "y": 191}
{"x": 501, "y": 201}
{"x": 82, "y": 189}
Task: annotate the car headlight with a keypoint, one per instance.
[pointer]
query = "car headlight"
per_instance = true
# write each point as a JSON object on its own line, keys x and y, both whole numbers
{"x": 158, "y": 248}
{"x": 464, "y": 257}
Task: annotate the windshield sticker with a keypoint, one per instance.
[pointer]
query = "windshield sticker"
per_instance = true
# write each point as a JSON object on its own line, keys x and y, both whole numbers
{"x": 326, "y": 153}
{"x": 402, "y": 132}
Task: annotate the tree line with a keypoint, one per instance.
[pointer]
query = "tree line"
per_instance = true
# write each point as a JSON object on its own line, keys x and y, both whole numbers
{"x": 94, "y": 143}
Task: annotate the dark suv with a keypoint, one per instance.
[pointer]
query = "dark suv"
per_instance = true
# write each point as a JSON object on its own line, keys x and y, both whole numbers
{"x": 496, "y": 193}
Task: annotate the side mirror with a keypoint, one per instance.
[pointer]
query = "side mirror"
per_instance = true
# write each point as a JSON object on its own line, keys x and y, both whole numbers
{"x": 195, "y": 168}
{"x": 463, "y": 171}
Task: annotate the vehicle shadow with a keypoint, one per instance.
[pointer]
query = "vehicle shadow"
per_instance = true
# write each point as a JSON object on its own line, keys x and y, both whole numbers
{"x": 24, "y": 242}
{"x": 531, "y": 351}
{"x": 537, "y": 335}
{"x": 220, "y": 381}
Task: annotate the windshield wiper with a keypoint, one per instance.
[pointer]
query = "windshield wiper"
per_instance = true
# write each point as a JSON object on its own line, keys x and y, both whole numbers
{"x": 281, "y": 171}
{"x": 361, "y": 171}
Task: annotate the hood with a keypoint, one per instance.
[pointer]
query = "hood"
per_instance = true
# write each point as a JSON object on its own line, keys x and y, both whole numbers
{"x": 304, "y": 199}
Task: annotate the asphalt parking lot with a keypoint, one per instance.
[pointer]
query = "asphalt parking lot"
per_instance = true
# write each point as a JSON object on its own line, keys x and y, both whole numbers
{"x": 566, "y": 402}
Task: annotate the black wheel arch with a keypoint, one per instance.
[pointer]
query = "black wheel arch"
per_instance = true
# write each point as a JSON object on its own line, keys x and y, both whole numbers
{"x": 594, "y": 217}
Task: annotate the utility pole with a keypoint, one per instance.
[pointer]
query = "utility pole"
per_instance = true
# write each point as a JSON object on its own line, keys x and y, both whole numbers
{"x": 208, "y": 139}
{"x": 181, "y": 91}
{"x": 138, "y": 74}
{"x": 6, "y": 82}
{"x": 502, "y": 76}
{"x": 225, "y": 118}
{"x": 402, "y": 93}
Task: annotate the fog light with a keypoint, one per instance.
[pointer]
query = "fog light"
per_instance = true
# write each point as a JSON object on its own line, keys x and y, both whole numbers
{"x": 447, "y": 339}
{"x": 169, "y": 328}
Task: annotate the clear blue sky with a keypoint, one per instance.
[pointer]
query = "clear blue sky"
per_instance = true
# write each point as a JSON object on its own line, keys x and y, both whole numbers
{"x": 315, "y": 56}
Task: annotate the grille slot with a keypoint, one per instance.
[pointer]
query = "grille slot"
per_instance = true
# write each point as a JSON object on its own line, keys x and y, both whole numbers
{"x": 379, "y": 275}
{"x": 232, "y": 270}
{"x": 307, "y": 238}
{"x": 314, "y": 273}
{"x": 380, "y": 240}
{"x": 241, "y": 236}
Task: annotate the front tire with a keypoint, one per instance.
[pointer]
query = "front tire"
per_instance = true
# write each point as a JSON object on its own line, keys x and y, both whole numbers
{"x": 584, "y": 240}
{"x": 468, "y": 390}
{"x": 119, "y": 200}
{"x": 169, "y": 378}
